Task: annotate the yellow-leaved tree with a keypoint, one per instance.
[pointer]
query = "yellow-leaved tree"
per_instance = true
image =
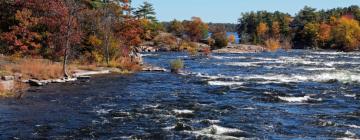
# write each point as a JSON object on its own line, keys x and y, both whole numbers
{"x": 261, "y": 30}
{"x": 346, "y": 34}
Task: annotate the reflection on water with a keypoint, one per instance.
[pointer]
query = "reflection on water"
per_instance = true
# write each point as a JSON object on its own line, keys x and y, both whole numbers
{"x": 280, "y": 95}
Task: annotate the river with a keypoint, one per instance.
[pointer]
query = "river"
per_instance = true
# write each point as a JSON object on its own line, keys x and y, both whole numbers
{"x": 283, "y": 95}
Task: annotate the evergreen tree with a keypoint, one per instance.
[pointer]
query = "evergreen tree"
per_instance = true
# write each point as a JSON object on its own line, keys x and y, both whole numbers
{"x": 146, "y": 11}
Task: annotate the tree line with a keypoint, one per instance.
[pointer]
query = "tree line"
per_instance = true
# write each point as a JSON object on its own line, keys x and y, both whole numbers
{"x": 336, "y": 28}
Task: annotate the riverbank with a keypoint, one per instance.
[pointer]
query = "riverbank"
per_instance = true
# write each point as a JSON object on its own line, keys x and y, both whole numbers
{"x": 17, "y": 74}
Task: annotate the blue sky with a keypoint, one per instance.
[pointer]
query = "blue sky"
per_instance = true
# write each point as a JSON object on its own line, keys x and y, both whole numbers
{"x": 228, "y": 11}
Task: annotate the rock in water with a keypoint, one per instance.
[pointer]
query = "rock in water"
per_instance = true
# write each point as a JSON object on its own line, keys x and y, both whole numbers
{"x": 34, "y": 82}
{"x": 7, "y": 78}
{"x": 181, "y": 127}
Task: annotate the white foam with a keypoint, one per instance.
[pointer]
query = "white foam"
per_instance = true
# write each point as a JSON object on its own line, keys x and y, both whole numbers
{"x": 185, "y": 111}
{"x": 169, "y": 127}
{"x": 353, "y": 126}
{"x": 341, "y": 76}
{"x": 224, "y": 83}
{"x": 228, "y": 57}
{"x": 144, "y": 55}
{"x": 350, "y": 134}
{"x": 318, "y": 69}
{"x": 242, "y": 64}
{"x": 295, "y": 99}
{"x": 350, "y": 95}
{"x": 103, "y": 111}
{"x": 217, "y": 132}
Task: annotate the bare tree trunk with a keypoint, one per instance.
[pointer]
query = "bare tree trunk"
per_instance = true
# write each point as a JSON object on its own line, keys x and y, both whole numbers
{"x": 67, "y": 45}
{"x": 107, "y": 49}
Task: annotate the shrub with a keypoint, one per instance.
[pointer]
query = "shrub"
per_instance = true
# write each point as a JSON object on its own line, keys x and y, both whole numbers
{"x": 206, "y": 51}
{"x": 272, "y": 44}
{"x": 176, "y": 65}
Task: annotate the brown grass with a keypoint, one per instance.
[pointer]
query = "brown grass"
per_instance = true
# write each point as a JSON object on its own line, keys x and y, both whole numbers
{"x": 125, "y": 63}
{"x": 272, "y": 44}
{"x": 36, "y": 69}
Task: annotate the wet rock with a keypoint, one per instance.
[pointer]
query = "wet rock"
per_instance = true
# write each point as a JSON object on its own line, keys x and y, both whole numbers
{"x": 7, "y": 78}
{"x": 181, "y": 127}
{"x": 34, "y": 82}
{"x": 84, "y": 77}
{"x": 119, "y": 114}
{"x": 58, "y": 81}
{"x": 220, "y": 90}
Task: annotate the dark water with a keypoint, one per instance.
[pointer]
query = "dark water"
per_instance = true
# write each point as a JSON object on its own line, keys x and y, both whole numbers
{"x": 295, "y": 95}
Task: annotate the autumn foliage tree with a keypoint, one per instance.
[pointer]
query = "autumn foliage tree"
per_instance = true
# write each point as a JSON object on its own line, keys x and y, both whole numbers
{"x": 62, "y": 29}
{"x": 220, "y": 37}
{"x": 262, "y": 30}
{"x": 22, "y": 39}
{"x": 196, "y": 29}
{"x": 231, "y": 38}
{"x": 346, "y": 34}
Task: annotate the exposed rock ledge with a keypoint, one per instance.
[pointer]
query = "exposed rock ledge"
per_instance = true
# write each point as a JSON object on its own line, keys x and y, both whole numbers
{"x": 153, "y": 68}
{"x": 78, "y": 75}
{"x": 240, "y": 48}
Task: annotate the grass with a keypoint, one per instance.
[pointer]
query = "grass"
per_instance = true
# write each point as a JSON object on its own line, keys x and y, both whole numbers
{"x": 124, "y": 63}
{"x": 40, "y": 69}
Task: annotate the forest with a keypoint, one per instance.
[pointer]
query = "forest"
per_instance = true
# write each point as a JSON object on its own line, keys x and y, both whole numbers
{"x": 336, "y": 28}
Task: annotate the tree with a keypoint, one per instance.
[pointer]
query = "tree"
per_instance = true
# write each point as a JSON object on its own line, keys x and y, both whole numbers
{"x": 196, "y": 29}
{"x": 145, "y": 11}
{"x": 324, "y": 33}
{"x": 311, "y": 34}
{"x": 306, "y": 15}
{"x": 346, "y": 34}
{"x": 70, "y": 33}
{"x": 261, "y": 30}
{"x": 176, "y": 27}
{"x": 22, "y": 39}
{"x": 231, "y": 38}
{"x": 220, "y": 37}
{"x": 275, "y": 30}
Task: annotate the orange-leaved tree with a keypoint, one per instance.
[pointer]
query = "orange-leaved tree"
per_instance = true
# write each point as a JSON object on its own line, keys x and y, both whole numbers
{"x": 346, "y": 34}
